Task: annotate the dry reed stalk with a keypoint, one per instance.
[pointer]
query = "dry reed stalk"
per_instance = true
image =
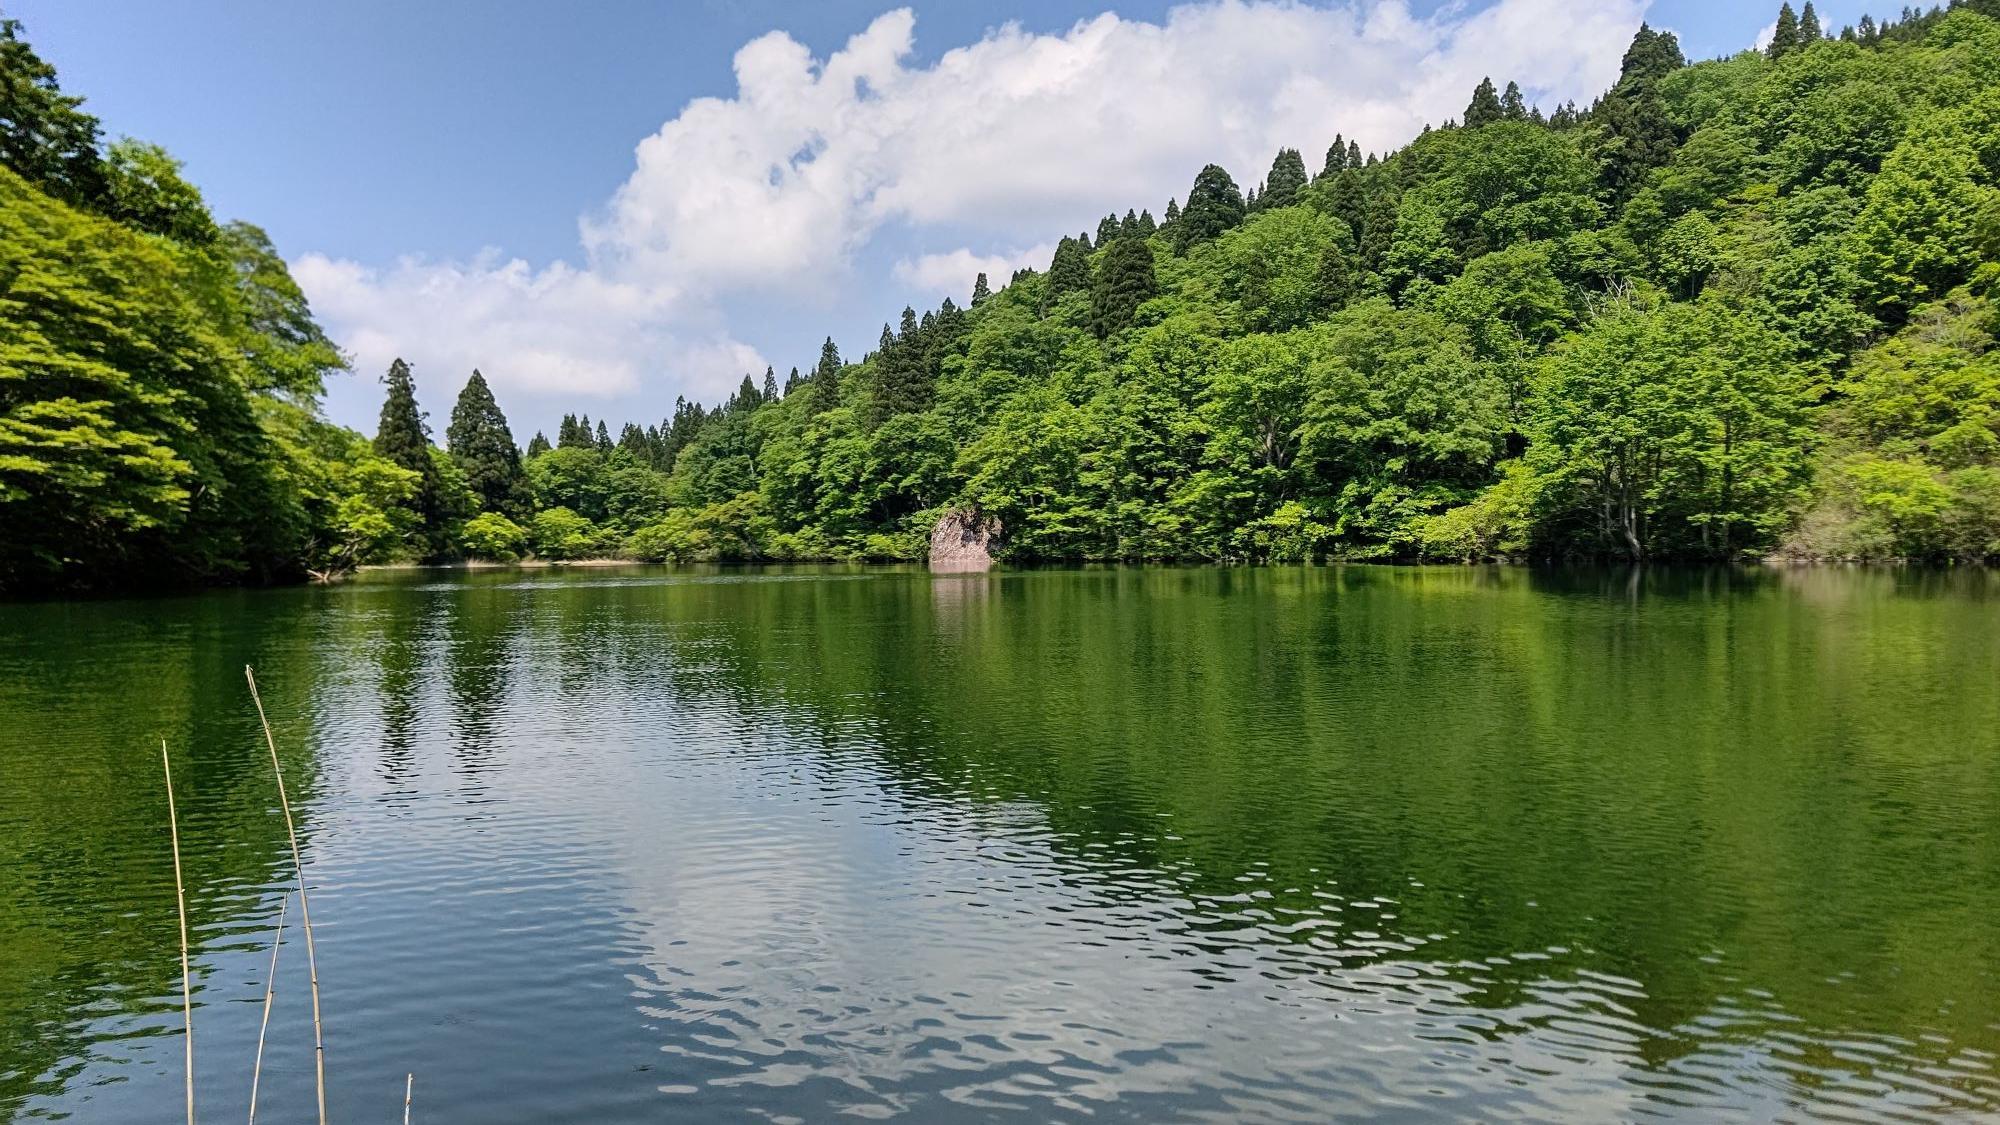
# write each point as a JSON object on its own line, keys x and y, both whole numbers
{"x": 305, "y": 910}
{"x": 409, "y": 1080}
{"x": 270, "y": 986}
{"x": 180, "y": 903}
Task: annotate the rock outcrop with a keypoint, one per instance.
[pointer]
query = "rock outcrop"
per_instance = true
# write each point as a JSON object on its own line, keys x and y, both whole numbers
{"x": 962, "y": 542}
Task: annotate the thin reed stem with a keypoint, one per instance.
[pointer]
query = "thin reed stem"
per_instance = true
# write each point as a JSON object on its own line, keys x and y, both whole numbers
{"x": 305, "y": 910}
{"x": 180, "y": 903}
{"x": 409, "y": 1080}
{"x": 270, "y": 987}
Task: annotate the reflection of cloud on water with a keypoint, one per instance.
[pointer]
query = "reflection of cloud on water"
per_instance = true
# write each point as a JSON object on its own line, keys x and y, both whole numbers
{"x": 810, "y": 923}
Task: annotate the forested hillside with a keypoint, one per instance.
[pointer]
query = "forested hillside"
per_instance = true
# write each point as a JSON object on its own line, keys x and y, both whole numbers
{"x": 1731, "y": 309}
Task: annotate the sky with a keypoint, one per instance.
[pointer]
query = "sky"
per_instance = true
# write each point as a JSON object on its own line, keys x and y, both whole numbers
{"x": 603, "y": 206}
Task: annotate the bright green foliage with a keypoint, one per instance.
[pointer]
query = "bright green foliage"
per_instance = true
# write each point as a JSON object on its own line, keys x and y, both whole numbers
{"x": 1674, "y": 429}
{"x": 1734, "y": 308}
{"x": 286, "y": 350}
{"x": 129, "y": 444}
{"x": 560, "y": 534}
{"x": 483, "y": 447}
{"x": 492, "y": 536}
{"x": 144, "y": 190}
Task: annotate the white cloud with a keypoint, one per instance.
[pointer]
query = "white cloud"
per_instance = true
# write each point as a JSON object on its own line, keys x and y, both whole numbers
{"x": 1765, "y": 36}
{"x": 773, "y": 194}
{"x": 952, "y": 274}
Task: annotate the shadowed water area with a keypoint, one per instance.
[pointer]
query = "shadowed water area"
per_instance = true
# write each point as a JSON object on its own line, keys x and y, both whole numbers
{"x": 636, "y": 845}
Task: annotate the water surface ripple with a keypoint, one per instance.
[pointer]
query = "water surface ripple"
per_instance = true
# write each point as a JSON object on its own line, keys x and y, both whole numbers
{"x": 1147, "y": 845}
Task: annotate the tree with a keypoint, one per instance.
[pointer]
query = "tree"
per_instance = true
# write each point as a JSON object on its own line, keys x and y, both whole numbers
{"x": 483, "y": 447}
{"x": 45, "y": 135}
{"x": 1512, "y": 106}
{"x": 826, "y": 378}
{"x": 1336, "y": 157}
{"x": 402, "y": 439}
{"x": 1288, "y": 175}
{"x": 1639, "y": 132}
{"x": 1125, "y": 282}
{"x": 979, "y": 290}
{"x": 143, "y": 189}
{"x": 538, "y": 445}
{"x": 1214, "y": 205}
{"x": 286, "y": 349}
{"x": 1484, "y": 108}
{"x": 769, "y": 391}
{"x": 1069, "y": 272}
{"x": 1809, "y": 31}
{"x": 1785, "y": 39}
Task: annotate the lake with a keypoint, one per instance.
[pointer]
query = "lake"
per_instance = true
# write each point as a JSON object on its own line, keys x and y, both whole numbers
{"x": 614, "y": 845}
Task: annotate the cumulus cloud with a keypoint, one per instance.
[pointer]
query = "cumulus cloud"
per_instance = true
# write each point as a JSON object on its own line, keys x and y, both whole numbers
{"x": 774, "y": 194}
{"x": 952, "y": 274}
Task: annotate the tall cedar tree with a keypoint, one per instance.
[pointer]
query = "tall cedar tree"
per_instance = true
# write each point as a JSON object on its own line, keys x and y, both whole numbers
{"x": 902, "y": 372}
{"x": 1125, "y": 280}
{"x": 1288, "y": 175}
{"x": 1785, "y": 39}
{"x": 1215, "y": 205}
{"x": 1069, "y": 272}
{"x": 770, "y": 387}
{"x": 1809, "y": 31}
{"x": 1485, "y": 106}
{"x": 1513, "y": 107}
{"x": 538, "y": 445}
{"x": 483, "y": 448}
{"x": 826, "y": 378}
{"x": 1634, "y": 117}
{"x": 403, "y": 439}
{"x": 980, "y": 291}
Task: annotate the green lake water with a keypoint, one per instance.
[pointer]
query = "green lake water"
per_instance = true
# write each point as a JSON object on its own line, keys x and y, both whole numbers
{"x": 619, "y": 845}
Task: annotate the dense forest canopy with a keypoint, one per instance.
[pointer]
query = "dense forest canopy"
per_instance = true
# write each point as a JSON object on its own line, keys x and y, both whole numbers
{"x": 1735, "y": 308}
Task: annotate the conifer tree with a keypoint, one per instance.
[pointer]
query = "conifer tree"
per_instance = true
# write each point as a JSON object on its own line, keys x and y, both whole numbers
{"x": 1288, "y": 175}
{"x": 769, "y": 391}
{"x": 1128, "y": 227}
{"x": 603, "y": 438}
{"x": 826, "y": 378}
{"x": 1214, "y": 205}
{"x": 1107, "y": 229}
{"x": 1785, "y": 39}
{"x": 1125, "y": 281}
{"x": 1808, "y": 24}
{"x": 1485, "y": 106}
{"x": 1172, "y": 213}
{"x": 1354, "y": 154}
{"x": 1147, "y": 227}
{"x": 483, "y": 447}
{"x": 538, "y": 445}
{"x": 792, "y": 380}
{"x": 1336, "y": 281}
{"x": 1512, "y": 106}
{"x": 980, "y": 291}
{"x": 1069, "y": 271}
{"x": 1634, "y": 115}
{"x": 1336, "y": 157}
{"x": 402, "y": 438}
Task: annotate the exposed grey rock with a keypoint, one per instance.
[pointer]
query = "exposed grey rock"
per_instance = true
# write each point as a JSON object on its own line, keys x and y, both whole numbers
{"x": 962, "y": 542}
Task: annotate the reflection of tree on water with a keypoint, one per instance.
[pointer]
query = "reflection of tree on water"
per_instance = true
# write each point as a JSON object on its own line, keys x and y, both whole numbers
{"x": 88, "y": 932}
{"x": 1528, "y": 776}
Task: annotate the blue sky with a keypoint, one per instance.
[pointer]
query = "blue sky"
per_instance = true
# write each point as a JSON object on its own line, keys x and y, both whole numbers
{"x": 428, "y": 166}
